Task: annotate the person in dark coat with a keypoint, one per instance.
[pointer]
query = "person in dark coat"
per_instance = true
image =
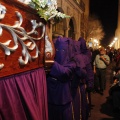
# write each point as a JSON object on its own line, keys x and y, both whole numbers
{"x": 58, "y": 82}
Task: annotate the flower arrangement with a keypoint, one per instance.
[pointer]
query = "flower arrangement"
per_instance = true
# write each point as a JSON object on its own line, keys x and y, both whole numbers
{"x": 47, "y": 9}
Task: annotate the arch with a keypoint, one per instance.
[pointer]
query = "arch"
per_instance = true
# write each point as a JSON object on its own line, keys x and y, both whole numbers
{"x": 72, "y": 28}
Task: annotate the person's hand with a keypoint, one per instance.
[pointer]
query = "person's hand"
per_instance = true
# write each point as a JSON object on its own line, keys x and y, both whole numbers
{"x": 94, "y": 71}
{"x": 102, "y": 57}
{"x": 115, "y": 81}
{"x": 104, "y": 60}
{"x": 118, "y": 71}
{"x": 48, "y": 65}
{"x": 49, "y": 61}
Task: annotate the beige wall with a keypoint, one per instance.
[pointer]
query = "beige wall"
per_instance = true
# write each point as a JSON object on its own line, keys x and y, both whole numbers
{"x": 117, "y": 33}
{"x": 72, "y": 8}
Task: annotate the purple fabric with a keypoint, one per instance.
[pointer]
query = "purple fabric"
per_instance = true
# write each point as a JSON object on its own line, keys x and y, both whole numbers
{"x": 82, "y": 43}
{"x": 23, "y": 96}
{"x": 87, "y": 59}
{"x": 58, "y": 84}
{"x": 58, "y": 81}
{"x": 88, "y": 53}
{"x": 61, "y": 72}
{"x": 89, "y": 80}
{"x": 85, "y": 75}
{"x": 84, "y": 49}
{"x": 78, "y": 78}
{"x": 77, "y": 47}
{"x": 58, "y": 112}
{"x": 90, "y": 76}
{"x": 75, "y": 91}
{"x": 78, "y": 57}
{"x": 63, "y": 50}
{"x": 84, "y": 104}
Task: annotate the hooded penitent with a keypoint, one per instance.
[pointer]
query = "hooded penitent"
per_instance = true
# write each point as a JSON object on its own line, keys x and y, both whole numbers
{"x": 61, "y": 73}
{"x": 78, "y": 57}
{"x": 87, "y": 59}
{"x": 83, "y": 48}
{"x": 63, "y": 50}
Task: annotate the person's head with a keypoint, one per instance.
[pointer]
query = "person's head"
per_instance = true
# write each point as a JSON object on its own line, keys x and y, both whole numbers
{"x": 102, "y": 51}
{"x": 63, "y": 50}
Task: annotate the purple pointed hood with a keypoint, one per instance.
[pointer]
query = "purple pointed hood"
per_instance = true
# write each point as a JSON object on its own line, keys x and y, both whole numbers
{"x": 63, "y": 50}
{"x": 78, "y": 56}
{"x": 82, "y": 43}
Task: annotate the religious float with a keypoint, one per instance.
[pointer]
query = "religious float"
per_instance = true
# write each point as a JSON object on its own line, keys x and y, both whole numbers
{"x": 25, "y": 46}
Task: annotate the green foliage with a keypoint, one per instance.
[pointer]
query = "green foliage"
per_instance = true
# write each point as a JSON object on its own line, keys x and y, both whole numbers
{"x": 46, "y": 10}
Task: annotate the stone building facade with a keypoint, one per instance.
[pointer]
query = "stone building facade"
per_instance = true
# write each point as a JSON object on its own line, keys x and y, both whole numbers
{"x": 117, "y": 33}
{"x": 75, "y": 26}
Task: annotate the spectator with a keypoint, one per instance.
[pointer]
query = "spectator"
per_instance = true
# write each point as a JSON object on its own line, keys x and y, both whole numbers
{"x": 100, "y": 64}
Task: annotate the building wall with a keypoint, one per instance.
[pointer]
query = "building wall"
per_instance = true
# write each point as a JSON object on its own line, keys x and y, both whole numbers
{"x": 79, "y": 11}
{"x": 117, "y": 33}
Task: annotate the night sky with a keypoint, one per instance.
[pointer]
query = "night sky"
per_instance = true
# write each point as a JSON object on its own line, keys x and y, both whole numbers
{"x": 106, "y": 11}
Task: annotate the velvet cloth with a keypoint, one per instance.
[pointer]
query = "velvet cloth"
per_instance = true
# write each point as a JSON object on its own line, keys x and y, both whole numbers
{"x": 23, "y": 96}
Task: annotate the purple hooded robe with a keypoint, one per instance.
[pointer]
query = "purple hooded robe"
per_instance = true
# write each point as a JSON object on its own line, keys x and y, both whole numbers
{"x": 58, "y": 82}
{"x": 78, "y": 85}
{"x": 83, "y": 76}
{"x": 87, "y": 59}
{"x": 89, "y": 80}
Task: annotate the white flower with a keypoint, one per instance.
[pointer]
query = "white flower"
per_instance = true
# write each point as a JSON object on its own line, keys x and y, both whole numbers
{"x": 49, "y": 8}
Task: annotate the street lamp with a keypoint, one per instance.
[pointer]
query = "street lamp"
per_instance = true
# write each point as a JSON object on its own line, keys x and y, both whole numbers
{"x": 113, "y": 42}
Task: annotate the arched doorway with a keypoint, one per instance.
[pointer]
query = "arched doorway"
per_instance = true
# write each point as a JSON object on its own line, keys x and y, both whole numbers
{"x": 71, "y": 33}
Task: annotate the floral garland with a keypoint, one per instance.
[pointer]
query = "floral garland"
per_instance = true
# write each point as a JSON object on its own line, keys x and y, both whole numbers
{"x": 47, "y": 9}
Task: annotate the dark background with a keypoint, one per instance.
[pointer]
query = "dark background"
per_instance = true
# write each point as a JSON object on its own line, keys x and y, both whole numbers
{"x": 107, "y": 12}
